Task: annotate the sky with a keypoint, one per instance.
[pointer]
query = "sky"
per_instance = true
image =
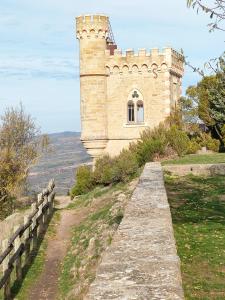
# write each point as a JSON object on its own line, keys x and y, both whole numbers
{"x": 39, "y": 52}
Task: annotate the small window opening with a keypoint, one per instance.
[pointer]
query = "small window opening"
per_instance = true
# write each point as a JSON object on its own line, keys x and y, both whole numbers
{"x": 140, "y": 112}
{"x": 130, "y": 111}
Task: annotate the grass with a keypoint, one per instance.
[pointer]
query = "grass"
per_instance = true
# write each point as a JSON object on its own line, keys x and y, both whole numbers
{"x": 21, "y": 291}
{"x": 85, "y": 200}
{"x": 214, "y": 158}
{"x": 198, "y": 212}
{"x": 82, "y": 234}
{"x": 79, "y": 266}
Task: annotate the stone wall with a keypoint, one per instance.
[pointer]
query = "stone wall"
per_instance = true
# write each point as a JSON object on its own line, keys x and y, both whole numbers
{"x": 142, "y": 261}
{"x": 196, "y": 169}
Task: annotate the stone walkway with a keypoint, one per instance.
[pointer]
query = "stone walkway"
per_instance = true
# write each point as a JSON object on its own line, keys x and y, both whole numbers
{"x": 142, "y": 262}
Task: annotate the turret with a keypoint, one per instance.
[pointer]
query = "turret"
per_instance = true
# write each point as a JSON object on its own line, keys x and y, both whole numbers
{"x": 92, "y": 32}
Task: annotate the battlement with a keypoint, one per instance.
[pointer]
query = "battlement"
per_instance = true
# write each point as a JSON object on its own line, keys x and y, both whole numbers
{"x": 88, "y": 25}
{"x": 144, "y": 61}
{"x": 143, "y": 52}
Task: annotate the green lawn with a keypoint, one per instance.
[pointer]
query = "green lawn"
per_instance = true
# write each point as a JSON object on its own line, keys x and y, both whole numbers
{"x": 214, "y": 158}
{"x": 198, "y": 212}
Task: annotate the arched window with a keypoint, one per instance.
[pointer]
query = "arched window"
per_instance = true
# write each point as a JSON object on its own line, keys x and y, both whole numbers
{"x": 130, "y": 107}
{"x": 135, "y": 107}
{"x": 140, "y": 111}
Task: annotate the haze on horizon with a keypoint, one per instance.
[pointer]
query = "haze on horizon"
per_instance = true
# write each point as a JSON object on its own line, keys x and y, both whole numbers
{"x": 39, "y": 55}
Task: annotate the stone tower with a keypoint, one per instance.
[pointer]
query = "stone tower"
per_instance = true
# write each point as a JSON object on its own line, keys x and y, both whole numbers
{"x": 122, "y": 94}
{"x": 92, "y": 32}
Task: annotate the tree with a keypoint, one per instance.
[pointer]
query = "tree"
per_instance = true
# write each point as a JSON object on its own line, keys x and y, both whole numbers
{"x": 20, "y": 146}
{"x": 207, "y": 101}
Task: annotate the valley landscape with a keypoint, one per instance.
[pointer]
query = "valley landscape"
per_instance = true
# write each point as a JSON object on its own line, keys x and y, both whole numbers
{"x": 65, "y": 155}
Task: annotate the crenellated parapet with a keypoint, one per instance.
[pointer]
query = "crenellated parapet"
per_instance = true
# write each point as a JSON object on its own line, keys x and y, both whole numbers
{"x": 177, "y": 63}
{"x": 89, "y": 26}
{"x": 144, "y": 62}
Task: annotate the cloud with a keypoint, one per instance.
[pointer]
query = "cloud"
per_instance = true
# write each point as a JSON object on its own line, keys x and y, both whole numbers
{"x": 8, "y": 20}
{"x": 33, "y": 67}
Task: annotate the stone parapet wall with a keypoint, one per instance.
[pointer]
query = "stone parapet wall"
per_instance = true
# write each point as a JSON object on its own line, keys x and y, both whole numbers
{"x": 142, "y": 261}
{"x": 196, "y": 169}
{"x": 144, "y": 61}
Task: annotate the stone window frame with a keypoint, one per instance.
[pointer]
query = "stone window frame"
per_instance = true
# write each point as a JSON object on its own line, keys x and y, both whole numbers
{"x": 135, "y": 97}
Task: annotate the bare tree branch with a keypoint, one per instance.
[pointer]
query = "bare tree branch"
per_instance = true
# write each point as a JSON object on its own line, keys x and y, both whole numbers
{"x": 216, "y": 12}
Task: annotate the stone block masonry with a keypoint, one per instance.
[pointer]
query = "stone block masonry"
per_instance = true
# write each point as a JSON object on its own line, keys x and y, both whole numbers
{"x": 142, "y": 261}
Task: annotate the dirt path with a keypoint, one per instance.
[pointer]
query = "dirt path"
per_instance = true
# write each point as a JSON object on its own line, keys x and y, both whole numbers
{"x": 46, "y": 286}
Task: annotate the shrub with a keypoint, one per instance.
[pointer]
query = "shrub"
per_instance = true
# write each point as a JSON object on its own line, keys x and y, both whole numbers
{"x": 153, "y": 142}
{"x": 147, "y": 149}
{"x": 103, "y": 173}
{"x": 213, "y": 145}
{"x": 178, "y": 140}
{"x": 193, "y": 146}
{"x": 84, "y": 181}
{"x": 124, "y": 166}
{"x": 223, "y": 133}
{"x": 205, "y": 140}
{"x": 157, "y": 133}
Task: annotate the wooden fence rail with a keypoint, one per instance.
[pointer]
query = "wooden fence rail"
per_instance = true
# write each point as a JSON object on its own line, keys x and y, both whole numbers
{"x": 16, "y": 251}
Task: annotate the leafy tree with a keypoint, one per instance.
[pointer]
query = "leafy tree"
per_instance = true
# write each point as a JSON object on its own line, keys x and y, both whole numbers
{"x": 206, "y": 100}
{"x": 20, "y": 146}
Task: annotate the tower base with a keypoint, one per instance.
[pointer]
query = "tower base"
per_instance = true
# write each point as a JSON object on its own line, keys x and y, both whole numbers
{"x": 95, "y": 148}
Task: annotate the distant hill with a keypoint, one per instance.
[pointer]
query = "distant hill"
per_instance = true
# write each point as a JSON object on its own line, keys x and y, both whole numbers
{"x": 67, "y": 153}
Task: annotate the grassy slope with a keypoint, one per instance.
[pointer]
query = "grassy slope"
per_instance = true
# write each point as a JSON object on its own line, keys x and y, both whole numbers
{"x": 79, "y": 266}
{"x": 197, "y": 159}
{"x": 198, "y": 212}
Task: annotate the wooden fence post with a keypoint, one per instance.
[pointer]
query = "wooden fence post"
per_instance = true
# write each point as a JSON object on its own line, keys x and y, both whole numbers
{"x": 51, "y": 196}
{"x": 49, "y": 206}
{"x": 27, "y": 241}
{"x": 45, "y": 212}
{"x": 34, "y": 227}
{"x": 18, "y": 261}
{"x": 5, "y": 266}
{"x": 40, "y": 214}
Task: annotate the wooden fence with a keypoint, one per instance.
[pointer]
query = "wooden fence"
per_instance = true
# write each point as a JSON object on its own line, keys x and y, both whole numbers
{"x": 17, "y": 250}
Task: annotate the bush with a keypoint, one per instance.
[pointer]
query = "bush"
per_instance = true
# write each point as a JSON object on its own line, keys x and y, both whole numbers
{"x": 124, "y": 166}
{"x": 103, "y": 173}
{"x": 193, "y": 146}
{"x": 153, "y": 142}
{"x": 223, "y": 133}
{"x": 157, "y": 133}
{"x": 84, "y": 181}
{"x": 147, "y": 149}
{"x": 205, "y": 140}
{"x": 178, "y": 140}
{"x": 213, "y": 145}
{"x": 210, "y": 143}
